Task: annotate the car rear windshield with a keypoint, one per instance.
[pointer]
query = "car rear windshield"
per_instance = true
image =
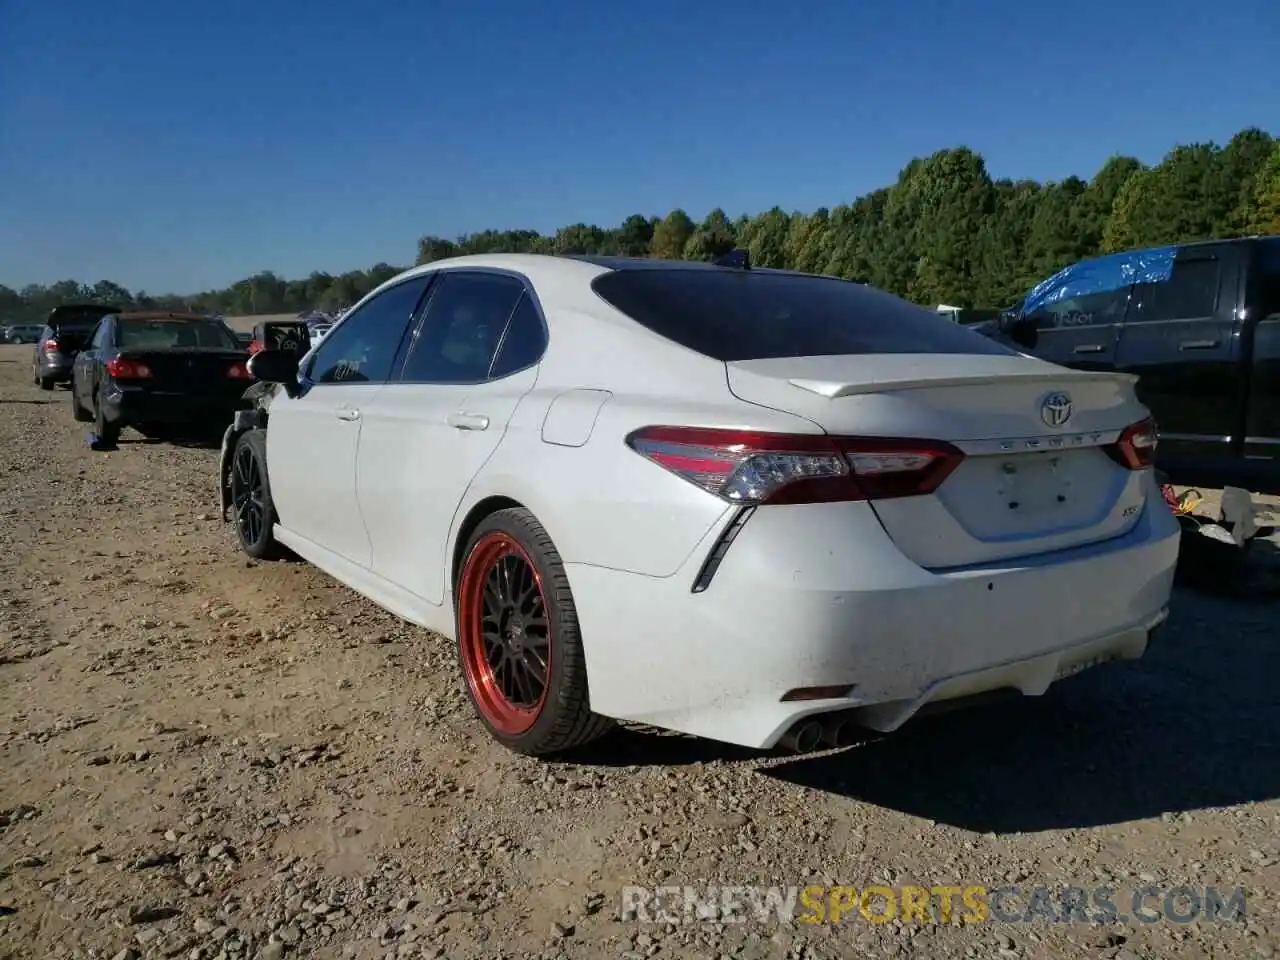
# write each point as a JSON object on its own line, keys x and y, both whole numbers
{"x": 174, "y": 335}
{"x": 739, "y": 315}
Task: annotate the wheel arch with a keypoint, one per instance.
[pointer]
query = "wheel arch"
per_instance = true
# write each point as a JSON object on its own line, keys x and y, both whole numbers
{"x": 486, "y": 507}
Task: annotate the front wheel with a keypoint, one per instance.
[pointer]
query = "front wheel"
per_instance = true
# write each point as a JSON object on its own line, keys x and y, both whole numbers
{"x": 254, "y": 510}
{"x": 519, "y": 644}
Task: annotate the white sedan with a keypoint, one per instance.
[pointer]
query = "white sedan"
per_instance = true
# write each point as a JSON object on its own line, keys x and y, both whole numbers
{"x": 749, "y": 505}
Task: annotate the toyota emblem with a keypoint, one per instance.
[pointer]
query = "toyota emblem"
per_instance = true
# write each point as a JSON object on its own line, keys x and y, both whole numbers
{"x": 1055, "y": 409}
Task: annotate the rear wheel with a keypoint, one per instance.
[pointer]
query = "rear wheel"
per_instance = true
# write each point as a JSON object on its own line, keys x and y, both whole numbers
{"x": 254, "y": 510}
{"x": 519, "y": 643}
{"x": 46, "y": 383}
{"x": 106, "y": 430}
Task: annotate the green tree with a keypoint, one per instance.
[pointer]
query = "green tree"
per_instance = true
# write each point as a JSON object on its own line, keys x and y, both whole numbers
{"x": 670, "y": 235}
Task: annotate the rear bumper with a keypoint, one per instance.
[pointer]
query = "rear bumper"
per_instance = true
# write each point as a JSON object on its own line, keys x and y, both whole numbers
{"x": 819, "y": 596}
{"x": 55, "y": 368}
{"x": 131, "y": 405}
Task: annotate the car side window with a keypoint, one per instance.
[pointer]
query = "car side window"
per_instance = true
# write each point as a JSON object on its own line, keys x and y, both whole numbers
{"x": 1087, "y": 310}
{"x": 523, "y": 343}
{"x": 1269, "y": 287}
{"x": 99, "y": 339}
{"x": 1190, "y": 292}
{"x": 363, "y": 348}
{"x": 464, "y": 323}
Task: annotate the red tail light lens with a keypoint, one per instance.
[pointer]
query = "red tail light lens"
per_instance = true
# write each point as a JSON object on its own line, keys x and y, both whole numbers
{"x": 1136, "y": 447}
{"x": 256, "y": 346}
{"x": 768, "y": 468}
{"x": 238, "y": 371}
{"x": 51, "y": 346}
{"x": 124, "y": 369}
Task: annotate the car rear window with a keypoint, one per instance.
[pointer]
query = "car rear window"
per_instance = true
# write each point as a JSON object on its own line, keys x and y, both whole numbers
{"x": 174, "y": 335}
{"x": 739, "y": 315}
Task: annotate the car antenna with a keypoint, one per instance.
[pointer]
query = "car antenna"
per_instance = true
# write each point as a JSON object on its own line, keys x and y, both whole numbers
{"x": 737, "y": 259}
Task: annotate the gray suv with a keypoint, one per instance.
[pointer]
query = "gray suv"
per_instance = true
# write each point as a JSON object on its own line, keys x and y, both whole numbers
{"x": 67, "y": 330}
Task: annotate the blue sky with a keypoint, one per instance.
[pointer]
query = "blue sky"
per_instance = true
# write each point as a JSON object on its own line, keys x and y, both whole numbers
{"x": 182, "y": 146}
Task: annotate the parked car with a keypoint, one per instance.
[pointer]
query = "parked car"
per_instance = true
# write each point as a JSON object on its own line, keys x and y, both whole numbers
{"x": 22, "y": 333}
{"x": 751, "y": 505}
{"x": 291, "y": 336}
{"x": 157, "y": 372}
{"x": 1199, "y": 324}
{"x": 63, "y": 336}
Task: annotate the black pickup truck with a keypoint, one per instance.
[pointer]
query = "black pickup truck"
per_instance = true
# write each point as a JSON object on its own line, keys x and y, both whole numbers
{"x": 1199, "y": 325}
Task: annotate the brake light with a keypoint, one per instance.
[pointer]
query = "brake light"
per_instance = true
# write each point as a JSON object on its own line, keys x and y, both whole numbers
{"x": 51, "y": 346}
{"x": 748, "y": 467}
{"x": 123, "y": 368}
{"x": 1135, "y": 449}
{"x": 256, "y": 346}
{"x": 238, "y": 371}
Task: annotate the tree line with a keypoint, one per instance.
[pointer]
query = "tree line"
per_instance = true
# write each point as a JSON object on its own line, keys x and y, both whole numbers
{"x": 945, "y": 232}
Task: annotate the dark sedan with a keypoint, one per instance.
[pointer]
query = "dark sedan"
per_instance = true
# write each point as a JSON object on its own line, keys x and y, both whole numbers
{"x": 159, "y": 373}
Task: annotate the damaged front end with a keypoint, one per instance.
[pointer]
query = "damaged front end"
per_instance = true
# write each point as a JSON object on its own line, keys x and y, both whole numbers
{"x": 258, "y": 397}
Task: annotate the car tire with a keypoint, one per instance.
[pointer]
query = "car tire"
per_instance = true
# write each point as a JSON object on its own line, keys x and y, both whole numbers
{"x": 253, "y": 510}
{"x": 107, "y": 431}
{"x": 46, "y": 383}
{"x": 80, "y": 413}
{"x": 531, "y": 703}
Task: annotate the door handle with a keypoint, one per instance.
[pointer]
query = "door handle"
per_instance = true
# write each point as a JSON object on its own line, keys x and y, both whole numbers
{"x": 1197, "y": 344}
{"x": 468, "y": 421}
{"x": 1089, "y": 348}
{"x": 350, "y": 414}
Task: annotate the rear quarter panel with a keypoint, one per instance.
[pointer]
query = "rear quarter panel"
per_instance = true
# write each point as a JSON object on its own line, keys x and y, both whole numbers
{"x": 602, "y": 503}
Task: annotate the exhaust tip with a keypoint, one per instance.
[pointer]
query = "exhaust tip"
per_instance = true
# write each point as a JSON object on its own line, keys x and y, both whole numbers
{"x": 837, "y": 732}
{"x": 804, "y": 737}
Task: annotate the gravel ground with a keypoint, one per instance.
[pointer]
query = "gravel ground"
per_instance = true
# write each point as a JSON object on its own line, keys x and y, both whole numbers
{"x": 206, "y": 757}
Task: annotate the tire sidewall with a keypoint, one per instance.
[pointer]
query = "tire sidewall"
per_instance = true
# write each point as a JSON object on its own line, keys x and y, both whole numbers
{"x": 255, "y": 442}
{"x": 562, "y": 620}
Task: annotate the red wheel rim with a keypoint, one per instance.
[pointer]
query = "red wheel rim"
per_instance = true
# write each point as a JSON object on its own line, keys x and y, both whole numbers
{"x": 504, "y": 633}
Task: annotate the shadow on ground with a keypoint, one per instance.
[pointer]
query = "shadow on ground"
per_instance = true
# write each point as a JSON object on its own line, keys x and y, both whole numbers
{"x": 1194, "y": 724}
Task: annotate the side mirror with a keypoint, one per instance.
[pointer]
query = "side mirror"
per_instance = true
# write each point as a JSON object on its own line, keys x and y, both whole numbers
{"x": 1024, "y": 333}
{"x": 287, "y": 337}
{"x": 276, "y": 366}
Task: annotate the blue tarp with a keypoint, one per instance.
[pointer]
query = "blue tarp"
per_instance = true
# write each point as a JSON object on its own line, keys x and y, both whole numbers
{"x": 1101, "y": 275}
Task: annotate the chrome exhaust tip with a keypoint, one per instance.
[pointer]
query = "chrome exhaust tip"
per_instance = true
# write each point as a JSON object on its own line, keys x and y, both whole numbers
{"x": 837, "y": 731}
{"x": 804, "y": 737}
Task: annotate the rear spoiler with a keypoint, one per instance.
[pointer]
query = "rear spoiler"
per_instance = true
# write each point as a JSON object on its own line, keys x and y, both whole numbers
{"x": 833, "y": 389}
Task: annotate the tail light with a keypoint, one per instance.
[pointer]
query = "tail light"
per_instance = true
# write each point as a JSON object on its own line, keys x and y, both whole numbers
{"x": 51, "y": 346}
{"x": 1135, "y": 449}
{"x": 238, "y": 371}
{"x": 123, "y": 368}
{"x": 747, "y": 467}
{"x": 256, "y": 346}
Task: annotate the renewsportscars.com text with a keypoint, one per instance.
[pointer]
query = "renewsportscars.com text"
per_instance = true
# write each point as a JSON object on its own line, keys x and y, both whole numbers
{"x": 937, "y": 904}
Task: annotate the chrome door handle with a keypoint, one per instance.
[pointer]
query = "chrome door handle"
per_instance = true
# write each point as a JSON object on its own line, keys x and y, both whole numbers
{"x": 1197, "y": 344}
{"x": 468, "y": 421}
{"x": 1089, "y": 348}
{"x": 350, "y": 414}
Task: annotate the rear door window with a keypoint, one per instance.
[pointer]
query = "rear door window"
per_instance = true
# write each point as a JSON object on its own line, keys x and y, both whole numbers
{"x": 757, "y": 315}
{"x": 1191, "y": 292}
{"x": 1269, "y": 278}
{"x": 464, "y": 323}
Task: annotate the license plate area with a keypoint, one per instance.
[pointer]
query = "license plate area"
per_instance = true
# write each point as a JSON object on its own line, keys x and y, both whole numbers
{"x": 1080, "y": 666}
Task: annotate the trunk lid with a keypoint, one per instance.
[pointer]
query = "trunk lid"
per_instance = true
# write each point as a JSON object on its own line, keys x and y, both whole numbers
{"x": 1035, "y": 477}
{"x": 190, "y": 371}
